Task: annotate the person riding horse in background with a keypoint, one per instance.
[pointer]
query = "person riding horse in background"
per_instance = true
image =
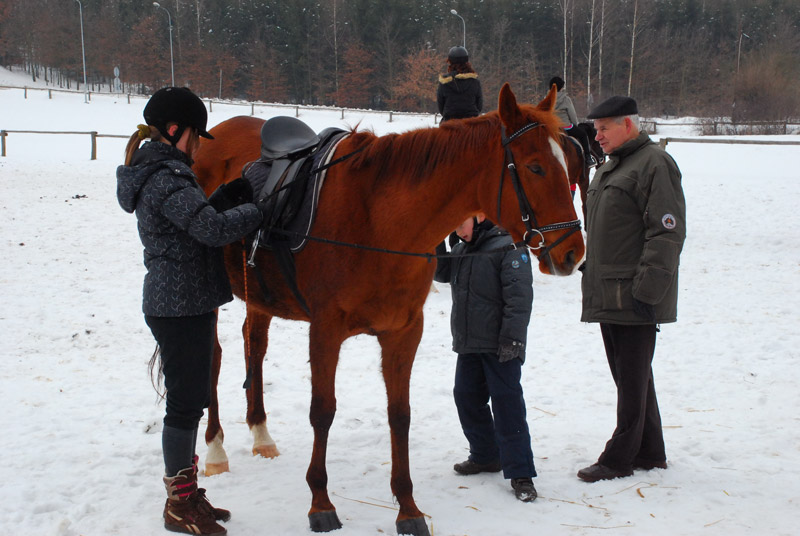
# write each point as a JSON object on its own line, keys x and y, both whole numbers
{"x": 492, "y": 303}
{"x": 565, "y": 111}
{"x": 186, "y": 281}
{"x": 459, "y": 93}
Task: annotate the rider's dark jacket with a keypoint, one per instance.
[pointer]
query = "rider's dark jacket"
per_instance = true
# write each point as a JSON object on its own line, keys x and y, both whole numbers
{"x": 459, "y": 96}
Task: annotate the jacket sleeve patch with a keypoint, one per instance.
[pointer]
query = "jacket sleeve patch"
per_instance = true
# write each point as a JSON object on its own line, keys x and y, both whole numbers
{"x": 668, "y": 221}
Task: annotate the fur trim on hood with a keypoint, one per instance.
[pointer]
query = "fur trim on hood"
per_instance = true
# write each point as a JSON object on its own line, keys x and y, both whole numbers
{"x": 447, "y": 78}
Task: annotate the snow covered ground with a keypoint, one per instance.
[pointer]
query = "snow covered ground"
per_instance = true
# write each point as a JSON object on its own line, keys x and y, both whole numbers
{"x": 81, "y": 444}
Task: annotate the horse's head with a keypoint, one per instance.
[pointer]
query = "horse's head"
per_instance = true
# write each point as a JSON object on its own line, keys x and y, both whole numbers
{"x": 534, "y": 202}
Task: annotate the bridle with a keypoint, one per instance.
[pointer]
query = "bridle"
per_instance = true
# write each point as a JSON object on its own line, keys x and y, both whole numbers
{"x": 525, "y": 209}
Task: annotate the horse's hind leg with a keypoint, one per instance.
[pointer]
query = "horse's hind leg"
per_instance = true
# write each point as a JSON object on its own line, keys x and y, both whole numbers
{"x": 216, "y": 459}
{"x": 398, "y": 350}
{"x": 324, "y": 346}
{"x": 256, "y": 334}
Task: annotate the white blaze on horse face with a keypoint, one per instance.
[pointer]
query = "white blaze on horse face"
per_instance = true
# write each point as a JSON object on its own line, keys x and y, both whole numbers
{"x": 558, "y": 152}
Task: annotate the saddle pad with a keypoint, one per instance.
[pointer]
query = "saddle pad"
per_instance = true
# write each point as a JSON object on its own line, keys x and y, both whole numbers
{"x": 302, "y": 223}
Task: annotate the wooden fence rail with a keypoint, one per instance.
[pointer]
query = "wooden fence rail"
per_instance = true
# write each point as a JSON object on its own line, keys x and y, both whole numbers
{"x": 664, "y": 141}
{"x": 94, "y": 135}
{"x": 297, "y": 108}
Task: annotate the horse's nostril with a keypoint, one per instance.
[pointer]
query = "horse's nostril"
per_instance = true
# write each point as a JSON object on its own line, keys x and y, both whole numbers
{"x": 569, "y": 260}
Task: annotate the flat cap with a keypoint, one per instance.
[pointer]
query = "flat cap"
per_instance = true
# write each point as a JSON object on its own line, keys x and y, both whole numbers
{"x": 614, "y": 107}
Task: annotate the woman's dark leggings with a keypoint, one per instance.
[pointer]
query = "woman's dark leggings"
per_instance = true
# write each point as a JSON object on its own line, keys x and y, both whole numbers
{"x": 187, "y": 348}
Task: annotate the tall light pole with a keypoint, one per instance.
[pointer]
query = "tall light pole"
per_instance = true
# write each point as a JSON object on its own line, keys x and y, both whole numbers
{"x": 83, "y": 54}
{"x": 739, "y": 53}
{"x": 463, "y": 25}
{"x": 171, "y": 60}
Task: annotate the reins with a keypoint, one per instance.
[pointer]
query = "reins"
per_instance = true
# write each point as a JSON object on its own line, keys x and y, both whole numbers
{"x": 428, "y": 256}
{"x": 526, "y": 212}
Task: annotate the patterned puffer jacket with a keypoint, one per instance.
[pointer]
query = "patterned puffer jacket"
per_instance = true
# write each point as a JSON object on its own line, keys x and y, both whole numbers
{"x": 182, "y": 234}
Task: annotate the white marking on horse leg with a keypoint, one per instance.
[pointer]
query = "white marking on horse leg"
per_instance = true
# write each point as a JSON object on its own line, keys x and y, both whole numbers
{"x": 216, "y": 459}
{"x": 263, "y": 444}
{"x": 558, "y": 152}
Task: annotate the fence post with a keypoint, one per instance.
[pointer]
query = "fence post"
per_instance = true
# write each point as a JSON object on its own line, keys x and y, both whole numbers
{"x": 390, "y": 116}
{"x": 94, "y": 145}
{"x": 252, "y": 109}
{"x": 210, "y": 107}
{"x": 129, "y": 98}
{"x": 3, "y": 135}
{"x": 50, "y": 94}
{"x": 663, "y": 142}
{"x": 26, "y": 91}
{"x": 297, "y": 111}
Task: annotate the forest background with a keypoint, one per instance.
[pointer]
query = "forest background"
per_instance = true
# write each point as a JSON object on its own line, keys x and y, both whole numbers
{"x": 707, "y": 58}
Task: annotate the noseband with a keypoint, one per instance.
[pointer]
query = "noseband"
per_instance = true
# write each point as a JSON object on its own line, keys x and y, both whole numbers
{"x": 525, "y": 209}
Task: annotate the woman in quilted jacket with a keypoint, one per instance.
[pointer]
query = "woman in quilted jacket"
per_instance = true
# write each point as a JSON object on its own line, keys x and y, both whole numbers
{"x": 183, "y": 234}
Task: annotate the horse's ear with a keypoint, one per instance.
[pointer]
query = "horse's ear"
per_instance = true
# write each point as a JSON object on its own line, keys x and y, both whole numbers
{"x": 509, "y": 111}
{"x": 549, "y": 102}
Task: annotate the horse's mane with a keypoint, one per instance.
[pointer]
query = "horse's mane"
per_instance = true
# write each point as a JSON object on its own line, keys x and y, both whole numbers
{"x": 416, "y": 153}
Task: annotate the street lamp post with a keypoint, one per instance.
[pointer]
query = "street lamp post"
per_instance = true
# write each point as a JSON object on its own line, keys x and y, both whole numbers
{"x": 171, "y": 60}
{"x": 83, "y": 54}
{"x": 463, "y": 25}
{"x": 739, "y": 53}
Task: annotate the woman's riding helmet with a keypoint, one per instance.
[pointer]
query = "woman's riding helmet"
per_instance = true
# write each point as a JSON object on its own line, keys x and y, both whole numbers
{"x": 458, "y": 55}
{"x": 176, "y": 105}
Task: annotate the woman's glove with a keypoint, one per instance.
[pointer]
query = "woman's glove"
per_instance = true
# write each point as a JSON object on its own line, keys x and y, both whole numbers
{"x": 231, "y": 194}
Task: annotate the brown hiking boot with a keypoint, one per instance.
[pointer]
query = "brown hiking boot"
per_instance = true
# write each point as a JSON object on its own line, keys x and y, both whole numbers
{"x": 220, "y": 514}
{"x": 185, "y": 509}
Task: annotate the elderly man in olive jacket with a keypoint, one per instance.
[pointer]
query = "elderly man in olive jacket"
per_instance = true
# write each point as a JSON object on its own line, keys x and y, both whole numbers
{"x": 636, "y": 226}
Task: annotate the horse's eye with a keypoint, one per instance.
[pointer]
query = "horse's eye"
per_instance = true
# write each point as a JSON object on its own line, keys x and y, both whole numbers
{"x": 536, "y": 168}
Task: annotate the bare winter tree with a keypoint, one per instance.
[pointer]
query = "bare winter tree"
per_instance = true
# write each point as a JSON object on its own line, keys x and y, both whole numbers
{"x": 634, "y": 30}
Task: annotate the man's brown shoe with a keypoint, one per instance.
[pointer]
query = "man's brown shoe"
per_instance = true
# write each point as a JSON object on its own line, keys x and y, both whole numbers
{"x": 639, "y": 463}
{"x": 598, "y": 471}
{"x": 469, "y": 467}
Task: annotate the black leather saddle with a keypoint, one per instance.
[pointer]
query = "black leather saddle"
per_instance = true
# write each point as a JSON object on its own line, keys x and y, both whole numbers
{"x": 285, "y": 180}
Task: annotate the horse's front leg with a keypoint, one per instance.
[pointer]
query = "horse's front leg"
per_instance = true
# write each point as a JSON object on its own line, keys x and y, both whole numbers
{"x": 324, "y": 346}
{"x": 256, "y": 336}
{"x": 398, "y": 349}
{"x": 216, "y": 459}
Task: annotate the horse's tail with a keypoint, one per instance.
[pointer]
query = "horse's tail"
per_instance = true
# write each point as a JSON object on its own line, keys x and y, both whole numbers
{"x": 157, "y": 380}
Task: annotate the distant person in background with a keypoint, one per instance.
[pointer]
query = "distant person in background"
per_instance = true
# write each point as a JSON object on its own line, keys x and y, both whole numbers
{"x": 186, "y": 281}
{"x": 459, "y": 92}
{"x": 565, "y": 111}
{"x": 636, "y": 226}
{"x": 492, "y": 303}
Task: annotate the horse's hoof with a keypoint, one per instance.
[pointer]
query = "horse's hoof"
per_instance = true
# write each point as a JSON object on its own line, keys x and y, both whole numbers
{"x": 266, "y": 451}
{"x": 324, "y": 521}
{"x": 216, "y": 468}
{"x": 415, "y": 527}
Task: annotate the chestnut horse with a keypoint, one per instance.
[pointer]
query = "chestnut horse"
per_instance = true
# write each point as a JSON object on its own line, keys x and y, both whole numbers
{"x": 577, "y": 170}
{"x": 415, "y": 181}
